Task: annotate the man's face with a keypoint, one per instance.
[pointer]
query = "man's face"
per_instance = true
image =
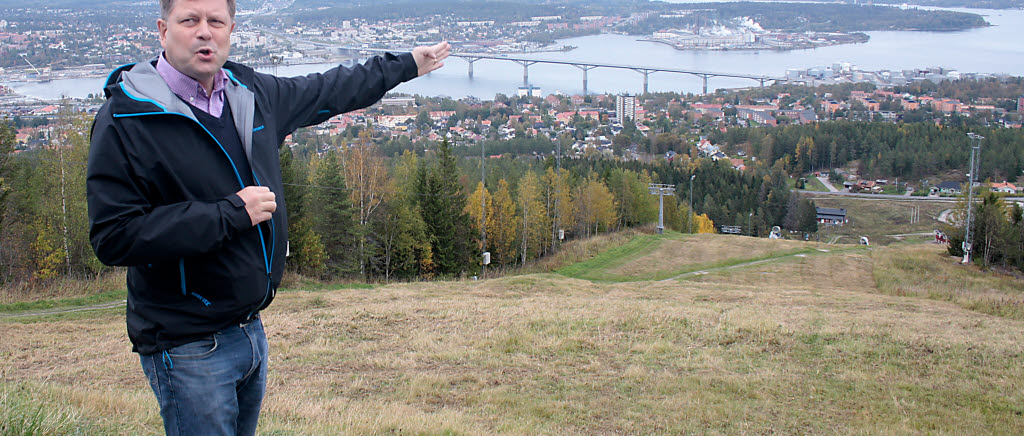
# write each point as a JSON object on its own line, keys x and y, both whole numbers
{"x": 196, "y": 37}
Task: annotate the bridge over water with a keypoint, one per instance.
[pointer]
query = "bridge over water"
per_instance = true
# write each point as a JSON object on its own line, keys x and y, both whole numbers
{"x": 585, "y": 67}
{"x": 526, "y": 61}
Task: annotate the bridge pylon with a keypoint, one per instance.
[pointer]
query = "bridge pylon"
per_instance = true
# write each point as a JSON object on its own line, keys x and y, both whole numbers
{"x": 646, "y": 72}
{"x": 585, "y": 69}
{"x": 470, "y": 60}
{"x": 526, "y": 69}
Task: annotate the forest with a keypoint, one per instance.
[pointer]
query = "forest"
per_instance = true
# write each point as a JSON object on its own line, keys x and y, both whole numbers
{"x": 357, "y": 214}
{"x": 833, "y": 17}
{"x": 997, "y": 230}
{"x": 501, "y": 11}
{"x": 909, "y": 151}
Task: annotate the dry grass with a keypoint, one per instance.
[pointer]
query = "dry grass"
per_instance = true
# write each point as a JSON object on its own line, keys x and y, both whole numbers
{"x": 878, "y": 218}
{"x": 62, "y": 288}
{"x": 928, "y": 271}
{"x": 799, "y": 345}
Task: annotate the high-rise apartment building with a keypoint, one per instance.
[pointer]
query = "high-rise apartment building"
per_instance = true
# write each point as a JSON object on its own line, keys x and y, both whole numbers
{"x": 625, "y": 107}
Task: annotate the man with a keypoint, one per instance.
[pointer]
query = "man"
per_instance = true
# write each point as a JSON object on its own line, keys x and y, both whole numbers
{"x": 183, "y": 185}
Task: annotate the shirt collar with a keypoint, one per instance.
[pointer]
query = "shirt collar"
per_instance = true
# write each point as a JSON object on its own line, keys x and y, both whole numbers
{"x": 186, "y": 87}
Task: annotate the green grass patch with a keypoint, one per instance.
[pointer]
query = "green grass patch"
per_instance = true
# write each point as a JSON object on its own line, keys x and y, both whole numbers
{"x": 103, "y": 297}
{"x": 813, "y": 184}
{"x": 596, "y": 268}
{"x": 22, "y": 412}
{"x": 591, "y": 269}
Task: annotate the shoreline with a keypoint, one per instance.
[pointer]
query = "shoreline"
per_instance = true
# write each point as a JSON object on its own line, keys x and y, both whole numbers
{"x": 855, "y": 38}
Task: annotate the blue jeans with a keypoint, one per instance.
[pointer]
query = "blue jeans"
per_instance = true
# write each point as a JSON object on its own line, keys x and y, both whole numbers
{"x": 213, "y": 386}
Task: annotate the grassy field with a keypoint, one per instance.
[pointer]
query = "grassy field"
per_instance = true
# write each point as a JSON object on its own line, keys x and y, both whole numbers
{"x": 878, "y": 219}
{"x": 657, "y": 257}
{"x": 813, "y": 340}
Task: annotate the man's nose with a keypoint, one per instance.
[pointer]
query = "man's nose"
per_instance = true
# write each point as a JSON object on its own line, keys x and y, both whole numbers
{"x": 203, "y": 30}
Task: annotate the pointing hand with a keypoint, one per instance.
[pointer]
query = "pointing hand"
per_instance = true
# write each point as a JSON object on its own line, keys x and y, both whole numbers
{"x": 430, "y": 58}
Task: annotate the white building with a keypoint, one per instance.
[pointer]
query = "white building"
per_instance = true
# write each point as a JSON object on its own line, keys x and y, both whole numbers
{"x": 625, "y": 107}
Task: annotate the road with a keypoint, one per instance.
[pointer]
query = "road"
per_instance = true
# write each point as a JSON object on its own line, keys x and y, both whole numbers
{"x": 828, "y": 184}
{"x": 883, "y": 196}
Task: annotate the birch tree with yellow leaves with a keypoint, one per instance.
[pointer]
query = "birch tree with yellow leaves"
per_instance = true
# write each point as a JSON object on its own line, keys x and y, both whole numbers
{"x": 596, "y": 209}
{"x": 366, "y": 176}
{"x": 503, "y": 225}
{"x": 559, "y": 205}
{"x": 534, "y": 223}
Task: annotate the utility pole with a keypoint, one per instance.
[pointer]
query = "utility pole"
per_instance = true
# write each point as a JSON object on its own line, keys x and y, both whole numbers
{"x": 661, "y": 191}
{"x": 557, "y": 235}
{"x": 483, "y": 212}
{"x": 975, "y": 150}
{"x": 690, "y": 218}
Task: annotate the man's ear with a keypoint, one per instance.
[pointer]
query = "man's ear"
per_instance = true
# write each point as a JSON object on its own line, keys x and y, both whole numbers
{"x": 161, "y": 27}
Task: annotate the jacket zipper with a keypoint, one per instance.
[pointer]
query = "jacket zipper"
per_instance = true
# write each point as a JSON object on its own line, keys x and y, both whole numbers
{"x": 181, "y": 266}
{"x": 263, "y": 243}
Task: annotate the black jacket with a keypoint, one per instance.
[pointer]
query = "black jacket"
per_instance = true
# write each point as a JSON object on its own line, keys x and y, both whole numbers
{"x": 162, "y": 191}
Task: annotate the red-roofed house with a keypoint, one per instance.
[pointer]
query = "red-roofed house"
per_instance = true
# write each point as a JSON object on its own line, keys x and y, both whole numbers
{"x": 48, "y": 110}
{"x": 1004, "y": 187}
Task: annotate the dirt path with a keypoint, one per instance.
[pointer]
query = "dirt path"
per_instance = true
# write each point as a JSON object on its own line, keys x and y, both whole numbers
{"x": 944, "y": 216}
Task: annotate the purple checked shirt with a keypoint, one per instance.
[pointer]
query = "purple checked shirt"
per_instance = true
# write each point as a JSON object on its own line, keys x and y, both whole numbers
{"x": 191, "y": 91}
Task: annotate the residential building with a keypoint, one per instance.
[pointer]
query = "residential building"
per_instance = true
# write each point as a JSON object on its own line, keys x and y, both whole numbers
{"x": 625, "y": 107}
{"x": 831, "y": 216}
{"x": 948, "y": 187}
{"x": 1004, "y": 187}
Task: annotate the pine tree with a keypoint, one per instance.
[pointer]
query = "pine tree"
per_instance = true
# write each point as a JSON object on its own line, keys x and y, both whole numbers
{"x": 808, "y": 216}
{"x": 333, "y": 217}
{"x": 442, "y": 205}
{"x": 6, "y": 148}
{"x": 7, "y": 139}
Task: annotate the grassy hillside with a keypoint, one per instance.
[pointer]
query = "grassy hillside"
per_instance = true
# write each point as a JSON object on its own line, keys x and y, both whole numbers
{"x": 879, "y": 219}
{"x": 810, "y": 339}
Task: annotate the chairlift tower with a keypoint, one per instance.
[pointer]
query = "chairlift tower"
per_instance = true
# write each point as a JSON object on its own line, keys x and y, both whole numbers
{"x": 661, "y": 191}
{"x": 975, "y": 163}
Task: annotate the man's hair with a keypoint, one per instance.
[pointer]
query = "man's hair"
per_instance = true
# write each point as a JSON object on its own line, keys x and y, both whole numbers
{"x": 167, "y": 5}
